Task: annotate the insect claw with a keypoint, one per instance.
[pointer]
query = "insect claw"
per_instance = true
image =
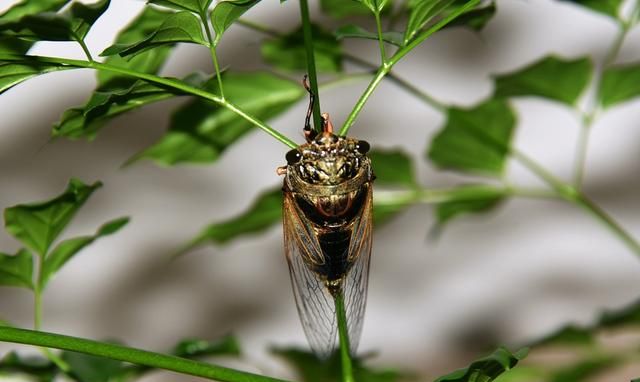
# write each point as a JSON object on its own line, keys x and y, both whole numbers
{"x": 282, "y": 170}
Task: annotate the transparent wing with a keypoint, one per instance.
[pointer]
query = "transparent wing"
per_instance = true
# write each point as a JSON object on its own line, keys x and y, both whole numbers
{"x": 357, "y": 279}
{"x": 315, "y": 304}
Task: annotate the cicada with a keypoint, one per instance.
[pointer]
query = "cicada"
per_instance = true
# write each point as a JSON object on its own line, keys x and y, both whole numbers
{"x": 327, "y": 216}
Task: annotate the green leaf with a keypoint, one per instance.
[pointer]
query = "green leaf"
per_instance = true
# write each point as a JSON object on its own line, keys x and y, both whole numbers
{"x": 487, "y": 368}
{"x": 393, "y": 168}
{"x": 475, "y": 140}
{"x": 38, "y": 368}
{"x": 469, "y": 199}
{"x": 476, "y": 18}
{"x": 619, "y": 84}
{"x": 585, "y": 369}
{"x": 311, "y": 369}
{"x": 88, "y": 368}
{"x": 9, "y": 44}
{"x": 37, "y": 225}
{"x": 344, "y": 8}
{"x": 84, "y": 122}
{"x": 375, "y": 5}
{"x": 194, "y": 348}
{"x": 568, "y": 335}
{"x": 16, "y": 69}
{"x": 200, "y": 130}
{"x": 64, "y": 251}
{"x": 17, "y": 270}
{"x": 607, "y": 7}
{"x": 423, "y": 11}
{"x": 178, "y": 27}
{"x": 551, "y": 77}
{"x": 354, "y": 31}
{"x": 263, "y": 213}
{"x": 288, "y": 52}
{"x": 72, "y": 24}
{"x": 226, "y": 13}
{"x": 150, "y": 61}
{"x": 196, "y": 6}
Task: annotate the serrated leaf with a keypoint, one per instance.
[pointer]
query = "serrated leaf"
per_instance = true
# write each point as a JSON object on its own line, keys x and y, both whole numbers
{"x": 619, "y": 84}
{"x": 607, "y": 7}
{"x": 288, "y": 51}
{"x": 469, "y": 199}
{"x": 64, "y": 251}
{"x": 150, "y": 61}
{"x": 344, "y": 8}
{"x": 17, "y": 270}
{"x": 19, "y": 69}
{"x": 421, "y": 12}
{"x": 38, "y": 368}
{"x": 9, "y": 44}
{"x": 178, "y": 27}
{"x": 551, "y": 77}
{"x": 475, "y": 140}
{"x": 72, "y": 24}
{"x": 37, "y": 225}
{"x": 487, "y": 368}
{"x": 354, "y": 31}
{"x": 200, "y": 130}
{"x": 196, "y": 6}
{"x": 265, "y": 212}
{"x": 84, "y": 122}
{"x": 311, "y": 369}
{"x": 194, "y": 348}
{"x": 226, "y": 13}
{"x": 476, "y": 18}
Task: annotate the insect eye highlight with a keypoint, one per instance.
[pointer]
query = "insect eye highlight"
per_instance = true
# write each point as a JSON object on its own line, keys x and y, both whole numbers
{"x": 363, "y": 147}
{"x": 293, "y": 156}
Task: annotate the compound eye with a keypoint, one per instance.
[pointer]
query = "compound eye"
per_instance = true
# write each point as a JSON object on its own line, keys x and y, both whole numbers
{"x": 363, "y": 147}
{"x": 293, "y": 156}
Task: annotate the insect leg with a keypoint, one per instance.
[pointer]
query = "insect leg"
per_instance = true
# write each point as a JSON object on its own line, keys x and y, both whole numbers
{"x": 309, "y": 133}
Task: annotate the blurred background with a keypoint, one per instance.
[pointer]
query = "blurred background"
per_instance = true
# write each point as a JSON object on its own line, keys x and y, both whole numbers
{"x": 510, "y": 276}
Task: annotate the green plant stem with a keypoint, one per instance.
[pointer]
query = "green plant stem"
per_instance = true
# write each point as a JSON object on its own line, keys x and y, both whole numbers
{"x": 383, "y": 55}
{"x": 167, "y": 82}
{"x": 360, "y": 62}
{"x": 131, "y": 355}
{"x": 343, "y": 335}
{"x": 85, "y": 49}
{"x": 589, "y": 115}
{"x": 212, "y": 48}
{"x": 311, "y": 63}
{"x": 384, "y": 69}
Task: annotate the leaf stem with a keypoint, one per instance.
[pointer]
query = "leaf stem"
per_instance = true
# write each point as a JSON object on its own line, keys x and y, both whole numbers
{"x": 384, "y": 69}
{"x": 311, "y": 62}
{"x": 589, "y": 116}
{"x": 164, "y": 81}
{"x": 212, "y": 48}
{"x": 131, "y": 355}
{"x": 383, "y": 55}
{"x": 85, "y": 49}
{"x": 343, "y": 335}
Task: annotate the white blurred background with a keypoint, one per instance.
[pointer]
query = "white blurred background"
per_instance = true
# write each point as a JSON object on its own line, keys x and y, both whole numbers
{"x": 508, "y": 276}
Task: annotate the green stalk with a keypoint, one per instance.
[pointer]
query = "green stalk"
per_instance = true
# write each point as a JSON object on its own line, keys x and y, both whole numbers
{"x": 167, "y": 82}
{"x": 592, "y": 107}
{"x": 311, "y": 62}
{"x": 85, "y": 49}
{"x": 383, "y": 70}
{"x": 358, "y": 61}
{"x": 343, "y": 335}
{"x": 383, "y": 55}
{"x": 212, "y": 48}
{"x": 131, "y": 355}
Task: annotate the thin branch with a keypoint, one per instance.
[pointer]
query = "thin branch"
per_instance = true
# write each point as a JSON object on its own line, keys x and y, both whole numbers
{"x": 212, "y": 48}
{"x": 131, "y": 355}
{"x": 167, "y": 82}
{"x": 311, "y": 62}
{"x": 383, "y": 54}
{"x": 343, "y": 335}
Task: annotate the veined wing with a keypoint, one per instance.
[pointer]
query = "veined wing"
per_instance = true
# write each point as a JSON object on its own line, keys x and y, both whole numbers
{"x": 314, "y": 301}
